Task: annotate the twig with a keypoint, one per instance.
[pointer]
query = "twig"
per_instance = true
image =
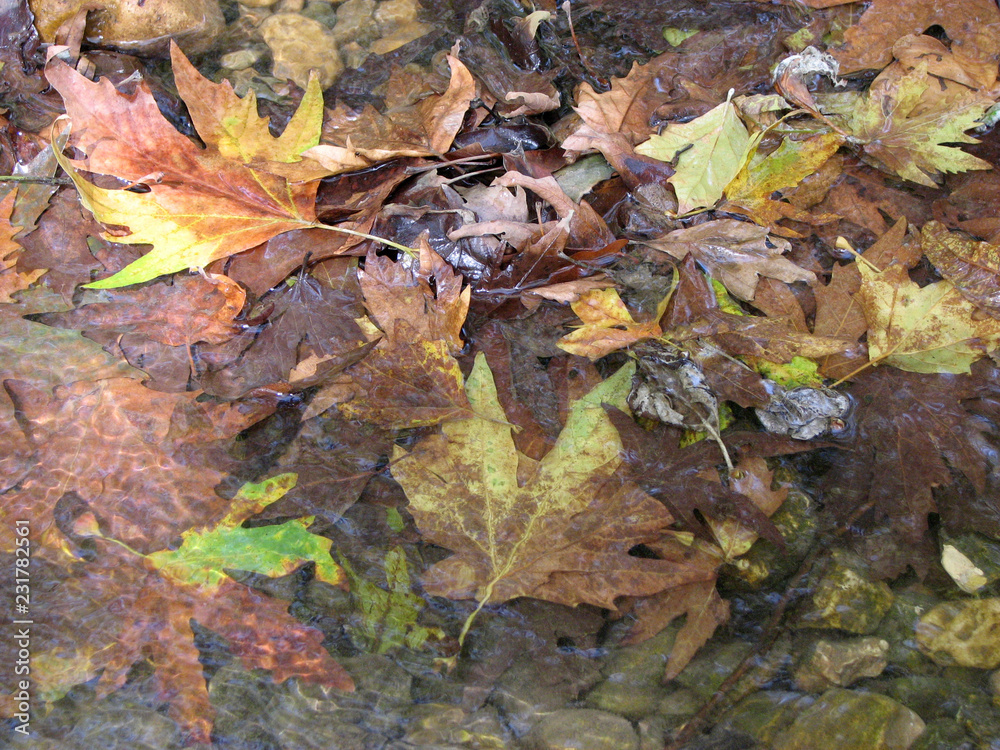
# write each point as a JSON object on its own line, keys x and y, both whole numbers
{"x": 38, "y": 180}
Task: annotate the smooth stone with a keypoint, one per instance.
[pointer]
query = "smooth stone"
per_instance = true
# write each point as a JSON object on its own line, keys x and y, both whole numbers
{"x": 633, "y": 676}
{"x": 841, "y": 663}
{"x": 143, "y": 28}
{"x": 898, "y": 627}
{"x": 437, "y": 724}
{"x": 356, "y": 22}
{"x": 847, "y": 598}
{"x": 299, "y": 45}
{"x": 240, "y": 59}
{"x": 964, "y": 633}
{"x": 583, "y": 729}
{"x": 399, "y": 37}
{"x": 713, "y": 664}
{"x": 258, "y": 3}
{"x": 323, "y": 12}
{"x": 852, "y": 721}
{"x": 765, "y": 714}
{"x": 931, "y": 697}
{"x": 391, "y": 14}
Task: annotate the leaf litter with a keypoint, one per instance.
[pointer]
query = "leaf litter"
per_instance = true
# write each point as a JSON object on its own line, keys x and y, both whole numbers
{"x": 830, "y": 267}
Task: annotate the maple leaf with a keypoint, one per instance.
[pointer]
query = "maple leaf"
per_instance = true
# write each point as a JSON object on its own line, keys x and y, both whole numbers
{"x": 908, "y": 140}
{"x": 607, "y": 325}
{"x": 910, "y": 429}
{"x": 735, "y": 253}
{"x": 123, "y": 449}
{"x": 922, "y": 329}
{"x": 554, "y": 529}
{"x": 973, "y": 267}
{"x": 411, "y": 378}
{"x": 709, "y": 151}
{"x": 427, "y": 128}
{"x": 201, "y": 204}
{"x": 751, "y": 191}
{"x": 155, "y": 597}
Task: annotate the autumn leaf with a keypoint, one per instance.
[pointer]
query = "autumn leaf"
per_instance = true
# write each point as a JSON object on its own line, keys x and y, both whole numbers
{"x": 356, "y": 140}
{"x": 751, "y": 192}
{"x": 908, "y": 140}
{"x": 736, "y": 253}
{"x": 10, "y": 280}
{"x": 201, "y": 204}
{"x": 389, "y": 611}
{"x": 155, "y": 597}
{"x": 607, "y": 325}
{"x": 123, "y": 450}
{"x": 554, "y": 529}
{"x": 709, "y": 151}
{"x": 973, "y": 267}
{"x": 922, "y": 329}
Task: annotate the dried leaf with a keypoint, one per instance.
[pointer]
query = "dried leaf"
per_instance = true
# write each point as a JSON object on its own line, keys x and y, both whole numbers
{"x": 735, "y": 253}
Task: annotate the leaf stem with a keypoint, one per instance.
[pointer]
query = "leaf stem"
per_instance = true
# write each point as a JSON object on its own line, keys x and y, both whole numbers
{"x": 33, "y": 179}
{"x": 408, "y": 250}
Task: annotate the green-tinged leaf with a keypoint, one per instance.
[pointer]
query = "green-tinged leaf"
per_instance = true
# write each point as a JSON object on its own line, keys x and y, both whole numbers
{"x": 268, "y": 550}
{"x": 709, "y": 153}
{"x": 389, "y": 611}
{"x": 800, "y": 371}
{"x": 915, "y": 141}
{"x": 557, "y": 529}
{"x": 922, "y": 329}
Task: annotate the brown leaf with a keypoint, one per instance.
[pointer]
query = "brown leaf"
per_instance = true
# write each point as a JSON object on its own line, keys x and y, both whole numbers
{"x": 186, "y": 311}
{"x": 122, "y": 448}
{"x": 736, "y": 253}
{"x": 973, "y": 267}
{"x": 356, "y": 140}
{"x": 428, "y": 298}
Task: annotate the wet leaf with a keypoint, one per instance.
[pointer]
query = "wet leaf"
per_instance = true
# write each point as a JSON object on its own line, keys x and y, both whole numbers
{"x": 427, "y": 128}
{"x": 735, "y": 253}
{"x": 607, "y": 325}
{"x": 909, "y": 140}
{"x": 751, "y": 192}
{"x": 389, "y": 611}
{"x": 708, "y": 152}
{"x": 922, "y": 329}
{"x": 201, "y": 204}
{"x": 973, "y": 267}
{"x": 554, "y": 529}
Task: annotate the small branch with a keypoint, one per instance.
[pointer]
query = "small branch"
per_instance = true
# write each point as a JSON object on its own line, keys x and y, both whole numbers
{"x": 408, "y": 250}
{"x": 37, "y": 180}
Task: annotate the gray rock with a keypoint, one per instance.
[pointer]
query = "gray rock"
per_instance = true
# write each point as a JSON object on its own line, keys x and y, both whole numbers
{"x": 898, "y": 627}
{"x": 830, "y": 663}
{"x": 964, "y": 633}
{"x": 931, "y": 697}
{"x": 944, "y": 734}
{"x": 583, "y": 729}
{"x": 852, "y": 721}
{"x": 711, "y": 666}
{"x": 847, "y": 597}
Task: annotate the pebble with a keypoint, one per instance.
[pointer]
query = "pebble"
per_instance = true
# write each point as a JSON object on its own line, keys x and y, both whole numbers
{"x": 299, "y": 45}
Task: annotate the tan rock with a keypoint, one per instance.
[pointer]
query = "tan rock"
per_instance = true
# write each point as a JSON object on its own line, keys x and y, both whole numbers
{"x": 290, "y": 6}
{"x": 144, "y": 28}
{"x": 300, "y": 44}
{"x": 356, "y": 22}
{"x": 391, "y": 14}
{"x": 258, "y": 3}
{"x": 402, "y": 35}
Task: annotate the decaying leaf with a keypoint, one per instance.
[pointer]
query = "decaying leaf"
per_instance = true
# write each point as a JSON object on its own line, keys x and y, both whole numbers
{"x": 155, "y": 597}
{"x": 922, "y": 329}
{"x": 735, "y": 253}
{"x": 709, "y": 152}
{"x": 557, "y": 529}
{"x": 909, "y": 140}
{"x": 751, "y": 192}
{"x": 193, "y": 205}
{"x": 973, "y": 267}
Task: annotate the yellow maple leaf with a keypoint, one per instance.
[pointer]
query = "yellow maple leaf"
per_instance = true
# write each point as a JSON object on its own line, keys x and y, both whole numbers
{"x": 607, "y": 325}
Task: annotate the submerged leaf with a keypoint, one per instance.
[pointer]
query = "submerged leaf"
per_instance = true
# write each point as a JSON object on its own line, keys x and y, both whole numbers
{"x": 555, "y": 529}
